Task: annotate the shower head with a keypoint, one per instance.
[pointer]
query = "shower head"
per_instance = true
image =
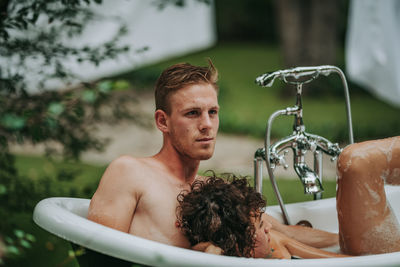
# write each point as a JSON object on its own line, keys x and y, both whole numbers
{"x": 294, "y": 75}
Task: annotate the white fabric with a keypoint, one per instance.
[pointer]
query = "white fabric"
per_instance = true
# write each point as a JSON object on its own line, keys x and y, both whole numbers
{"x": 373, "y": 47}
{"x": 172, "y": 31}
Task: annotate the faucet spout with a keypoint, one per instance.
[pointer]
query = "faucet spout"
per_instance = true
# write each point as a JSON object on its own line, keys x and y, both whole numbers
{"x": 309, "y": 179}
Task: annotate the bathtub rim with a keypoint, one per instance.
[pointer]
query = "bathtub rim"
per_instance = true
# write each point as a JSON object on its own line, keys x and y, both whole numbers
{"x": 57, "y": 217}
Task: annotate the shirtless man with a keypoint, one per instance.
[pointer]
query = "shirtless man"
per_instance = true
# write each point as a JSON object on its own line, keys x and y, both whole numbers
{"x": 138, "y": 195}
{"x": 366, "y": 223}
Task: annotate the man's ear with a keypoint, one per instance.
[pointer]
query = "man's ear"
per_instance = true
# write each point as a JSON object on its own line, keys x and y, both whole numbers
{"x": 161, "y": 119}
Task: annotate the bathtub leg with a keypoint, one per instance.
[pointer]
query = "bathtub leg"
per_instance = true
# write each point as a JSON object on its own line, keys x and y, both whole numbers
{"x": 367, "y": 224}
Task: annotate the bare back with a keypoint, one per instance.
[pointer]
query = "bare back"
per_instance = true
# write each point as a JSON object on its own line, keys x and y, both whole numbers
{"x": 138, "y": 196}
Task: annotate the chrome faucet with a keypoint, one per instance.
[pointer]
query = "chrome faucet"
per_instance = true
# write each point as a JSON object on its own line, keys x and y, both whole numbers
{"x": 300, "y": 141}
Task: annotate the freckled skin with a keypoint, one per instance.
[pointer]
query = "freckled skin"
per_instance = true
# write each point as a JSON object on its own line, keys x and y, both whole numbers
{"x": 366, "y": 222}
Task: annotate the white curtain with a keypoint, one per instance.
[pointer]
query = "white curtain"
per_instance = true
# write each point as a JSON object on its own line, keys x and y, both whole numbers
{"x": 373, "y": 47}
{"x": 172, "y": 31}
{"x": 169, "y": 32}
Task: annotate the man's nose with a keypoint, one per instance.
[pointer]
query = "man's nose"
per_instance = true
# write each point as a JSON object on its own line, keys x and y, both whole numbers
{"x": 205, "y": 122}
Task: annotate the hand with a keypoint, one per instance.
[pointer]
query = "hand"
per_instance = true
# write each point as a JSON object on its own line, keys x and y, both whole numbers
{"x": 208, "y": 247}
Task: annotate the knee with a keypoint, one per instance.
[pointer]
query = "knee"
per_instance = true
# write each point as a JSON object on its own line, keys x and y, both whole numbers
{"x": 370, "y": 158}
{"x": 344, "y": 159}
{"x": 356, "y": 159}
{"x": 348, "y": 157}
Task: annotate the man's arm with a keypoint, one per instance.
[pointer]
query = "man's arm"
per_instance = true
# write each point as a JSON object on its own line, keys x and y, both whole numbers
{"x": 309, "y": 236}
{"x": 115, "y": 199}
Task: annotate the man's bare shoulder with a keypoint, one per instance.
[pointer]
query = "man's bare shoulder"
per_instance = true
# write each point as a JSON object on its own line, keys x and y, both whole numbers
{"x": 118, "y": 193}
{"x": 126, "y": 170}
{"x": 126, "y": 162}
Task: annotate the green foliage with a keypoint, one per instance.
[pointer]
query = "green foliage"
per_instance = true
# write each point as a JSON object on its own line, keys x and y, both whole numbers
{"x": 246, "y": 107}
{"x": 15, "y": 245}
{"x": 38, "y": 178}
{"x": 33, "y": 31}
{"x": 47, "y": 250}
{"x": 64, "y": 116}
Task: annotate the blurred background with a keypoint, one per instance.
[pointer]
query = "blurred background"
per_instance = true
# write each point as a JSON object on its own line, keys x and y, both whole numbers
{"x": 77, "y": 77}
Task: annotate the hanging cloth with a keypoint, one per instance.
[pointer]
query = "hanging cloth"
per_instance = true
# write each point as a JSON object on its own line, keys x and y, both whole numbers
{"x": 373, "y": 47}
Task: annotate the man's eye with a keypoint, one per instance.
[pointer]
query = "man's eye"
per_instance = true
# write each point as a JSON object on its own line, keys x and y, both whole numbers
{"x": 213, "y": 111}
{"x": 192, "y": 113}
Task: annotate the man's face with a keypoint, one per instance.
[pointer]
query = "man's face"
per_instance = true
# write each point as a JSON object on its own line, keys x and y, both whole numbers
{"x": 193, "y": 122}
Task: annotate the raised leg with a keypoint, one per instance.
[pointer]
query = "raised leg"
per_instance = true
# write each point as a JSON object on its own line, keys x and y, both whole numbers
{"x": 367, "y": 224}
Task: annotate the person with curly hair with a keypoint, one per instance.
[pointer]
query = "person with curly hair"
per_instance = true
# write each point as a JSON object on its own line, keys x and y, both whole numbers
{"x": 225, "y": 217}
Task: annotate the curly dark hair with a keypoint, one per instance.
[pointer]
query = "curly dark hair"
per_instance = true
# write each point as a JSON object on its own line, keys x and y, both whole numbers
{"x": 219, "y": 211}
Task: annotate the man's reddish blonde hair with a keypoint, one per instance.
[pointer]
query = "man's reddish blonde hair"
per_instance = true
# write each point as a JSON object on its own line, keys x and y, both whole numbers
{"x": 179, "y": 76}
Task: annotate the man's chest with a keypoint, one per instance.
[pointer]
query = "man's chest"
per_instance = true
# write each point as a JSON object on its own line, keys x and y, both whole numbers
{"x": 155, "y": 216}
{"x": 159, "y": 201}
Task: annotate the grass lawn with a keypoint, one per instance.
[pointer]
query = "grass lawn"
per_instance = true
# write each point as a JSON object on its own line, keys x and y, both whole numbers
{"x": 49, "y": 250}
{"x": 76, "y": 178}
{"x": 245, "y": 106}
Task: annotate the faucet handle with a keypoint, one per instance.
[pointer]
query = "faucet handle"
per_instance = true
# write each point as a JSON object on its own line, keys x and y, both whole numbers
{"x": 279, "y": 160}
{"x": 282, "y": 159}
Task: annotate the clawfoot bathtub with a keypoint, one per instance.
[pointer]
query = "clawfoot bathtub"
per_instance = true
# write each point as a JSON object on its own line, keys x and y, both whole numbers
{"x": 66, "y": 218}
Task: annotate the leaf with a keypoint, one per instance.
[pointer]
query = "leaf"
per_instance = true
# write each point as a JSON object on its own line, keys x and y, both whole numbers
{"x": 71, "y": 254}
{"x": 19, "y": 233}
{"x": 52, "y": 123}
{"x": 121, "y": 85}
{"x": 80, "y": 251}
{"x": 9, "y": 240}
{"x": 3, "y": 189}
{"x": 25, "y": 243}
{"x": 55, "y": 108}
{"x": 12, "y": 121}
{"x": 89, "y": 96}
{"x": 105, "y": 86}
{"x": 13, "y": 250}
{"x": 30, "y": 238}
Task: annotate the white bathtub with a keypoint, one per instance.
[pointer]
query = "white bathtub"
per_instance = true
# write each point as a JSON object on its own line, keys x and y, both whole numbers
{"x": 66, "y": 218}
